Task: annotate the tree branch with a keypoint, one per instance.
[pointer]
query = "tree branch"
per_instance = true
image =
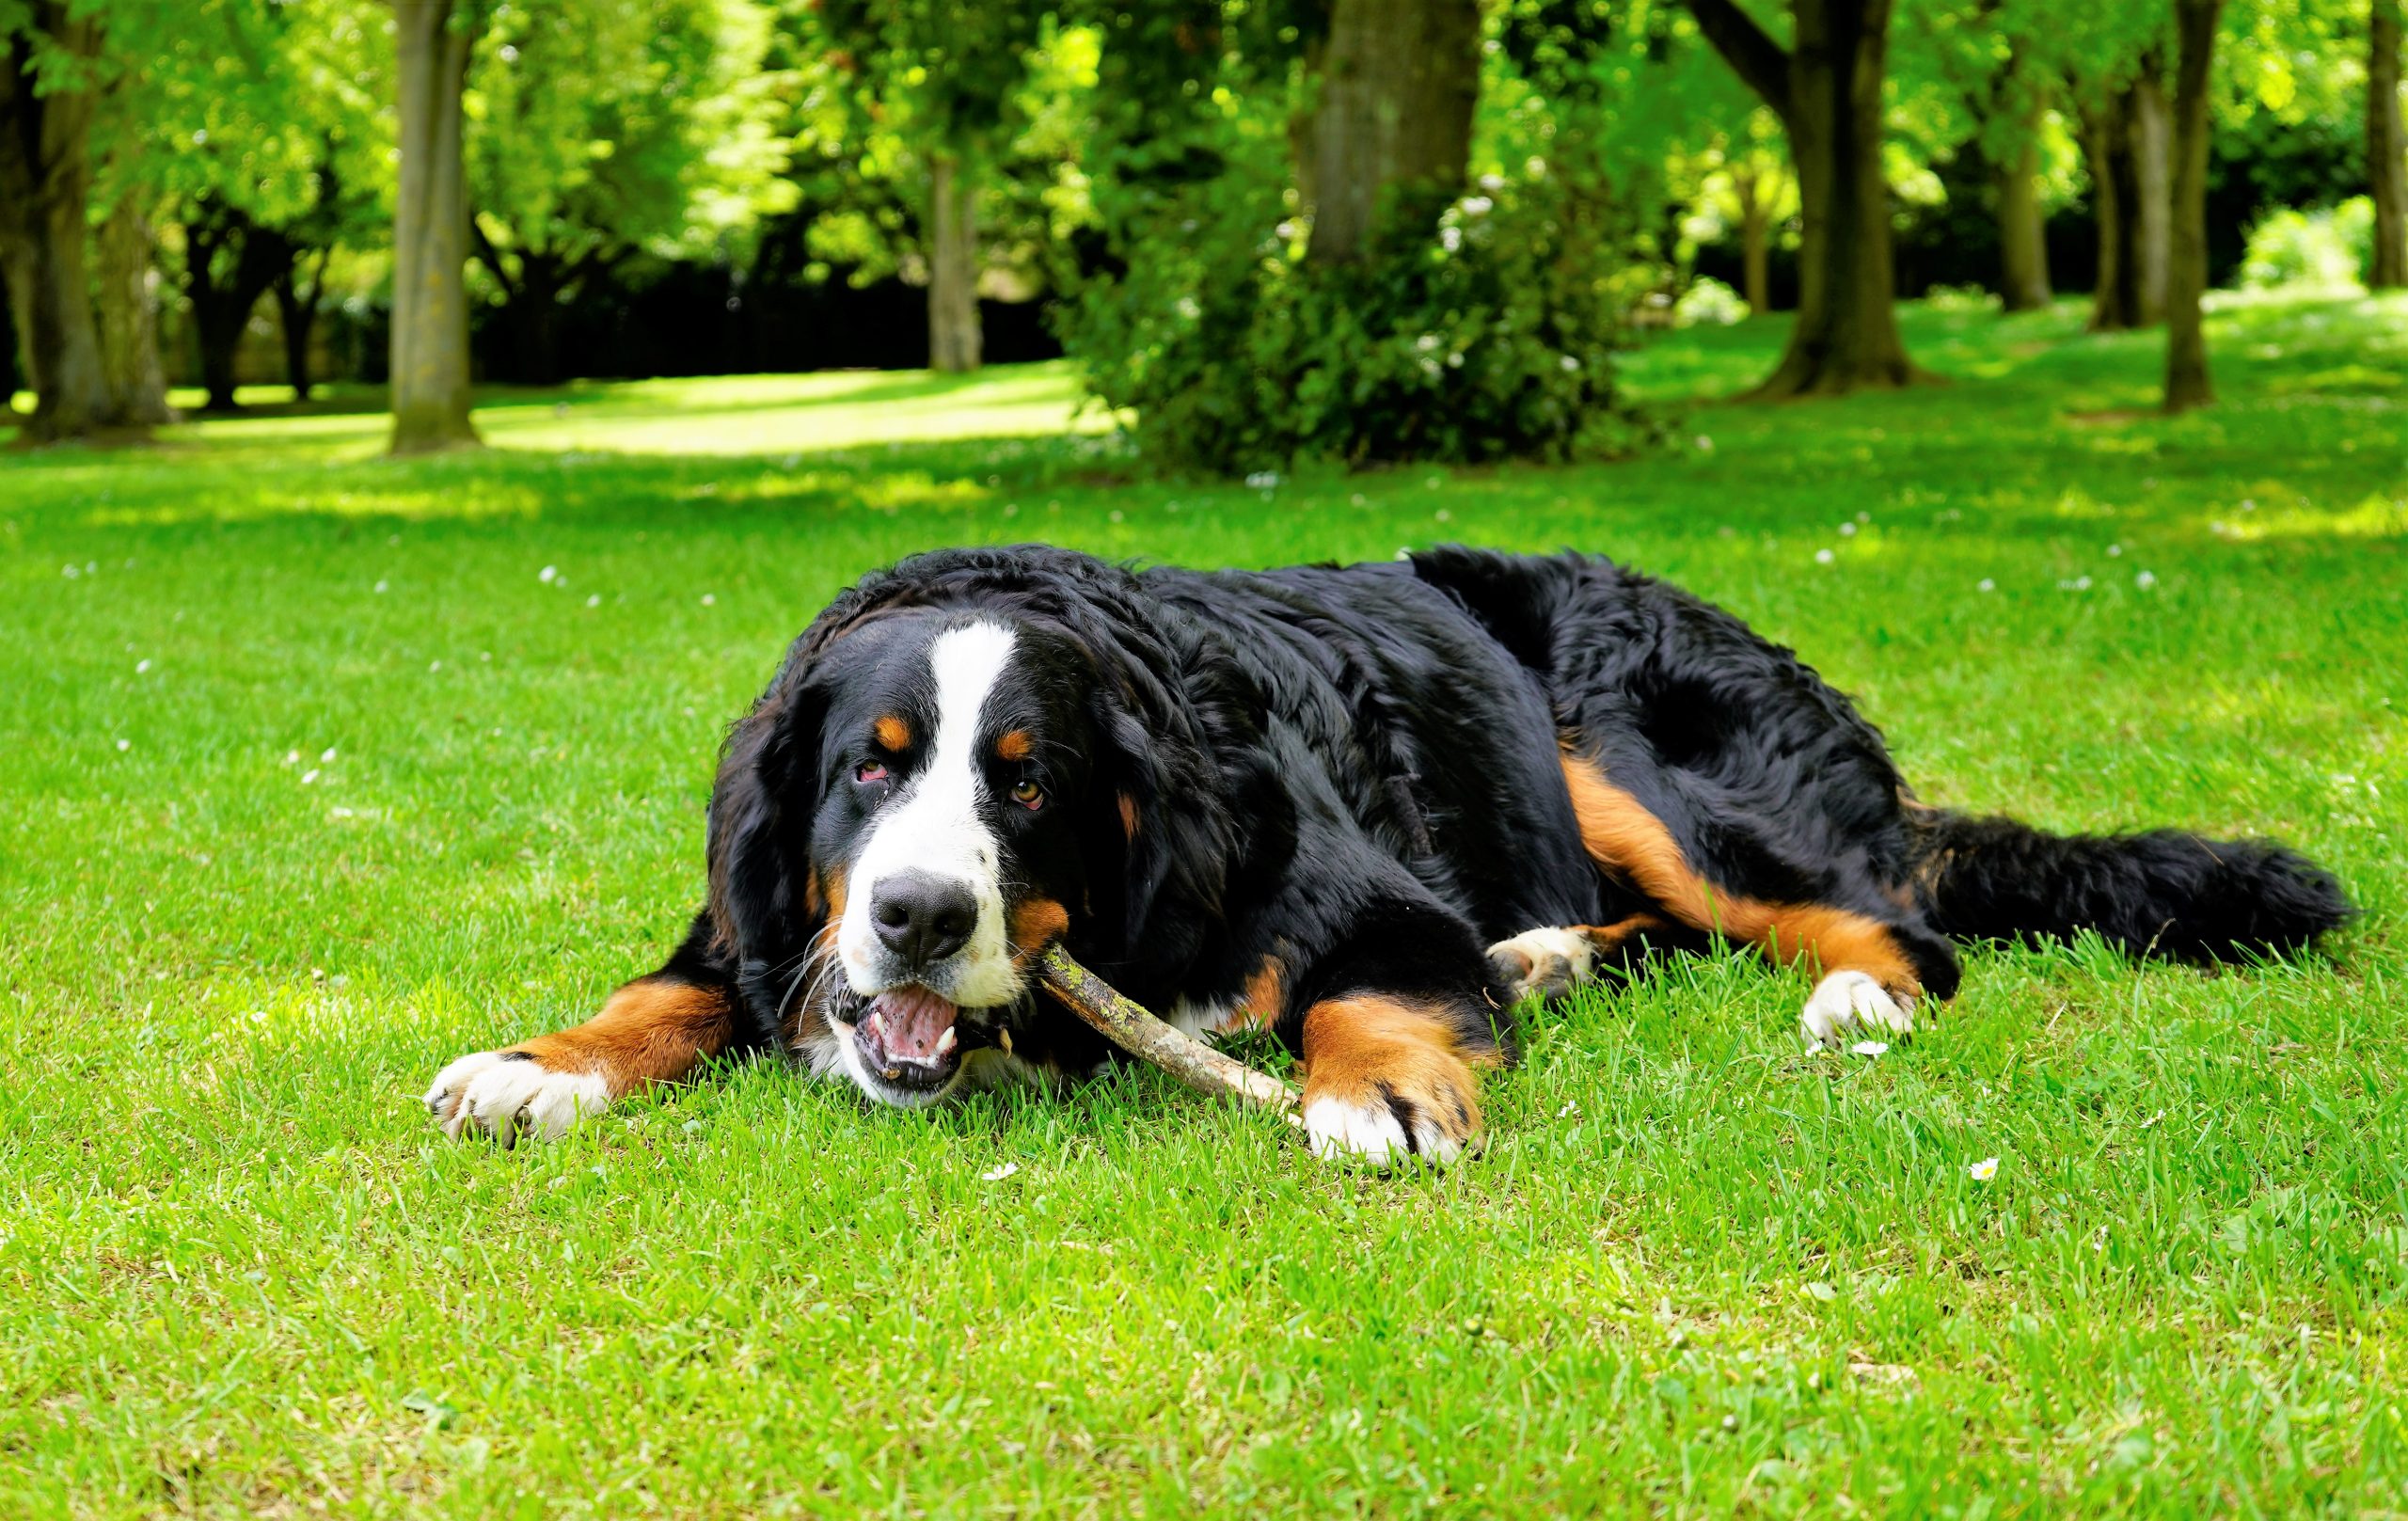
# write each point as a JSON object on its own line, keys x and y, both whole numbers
{"x": 490, "y": 257}
{"x": 1138, "y": 1033}
{"x": 1761, "y": 63}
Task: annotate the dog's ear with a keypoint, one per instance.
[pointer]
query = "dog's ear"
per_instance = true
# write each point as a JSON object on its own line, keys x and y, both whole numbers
{"x": 765, "y": 906}
{"x": 1166, "y": 837}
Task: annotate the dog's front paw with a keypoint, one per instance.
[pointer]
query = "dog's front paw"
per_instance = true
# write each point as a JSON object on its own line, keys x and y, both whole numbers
{"x": 508, "y": 1094}
{"x": 1548, "y": 962}
{"x": 1848, "y": 1003}
{"x": 1432, "y": 1116}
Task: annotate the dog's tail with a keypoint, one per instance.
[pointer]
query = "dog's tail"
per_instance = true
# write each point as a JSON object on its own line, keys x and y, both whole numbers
{"x": 2164, "y": 892}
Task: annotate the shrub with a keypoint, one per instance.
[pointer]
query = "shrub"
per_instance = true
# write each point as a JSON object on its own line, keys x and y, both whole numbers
{"x": 1960, "y": 298}
{"x": 1709, "y": 303}
{"x": 1478, "y": 330}
{"x": 2325, "y": 247}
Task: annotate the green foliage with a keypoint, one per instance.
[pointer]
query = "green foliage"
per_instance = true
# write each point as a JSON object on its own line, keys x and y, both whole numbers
{"x": 1709, "y": 302}
{"x": 2329, "y": 247}
{"x": 863, "y": 127}
{"x": 1486, "y": 337}
{"x": 612, "y": 124}
{"x": 1472, "y": 330}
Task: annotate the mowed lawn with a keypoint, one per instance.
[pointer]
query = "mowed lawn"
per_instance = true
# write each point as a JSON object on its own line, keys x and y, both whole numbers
{"x": 320, "y": 771}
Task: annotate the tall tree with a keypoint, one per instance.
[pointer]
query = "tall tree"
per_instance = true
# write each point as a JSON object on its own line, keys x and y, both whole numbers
{"x": 1757, "y": 188}
{"x": 50, "y": 86}
{"x": 2387, "y": 148}
{"x": 433, "y": 42}
{"x": 2022, "y": 221}
{"x": 2127, "y": 140}
{"x": 245, "y": 126}
{"x": 299, "y": 293}
{"x": 609, "y": 127}
{"x": 2186, "y": 346}
{"x": 231, "y": 261}
{"x": 1398, "y": 80}
{"x": 1826, "y": 88}
{"x": 128, "y": 311}
{"x": 937, "y": 80}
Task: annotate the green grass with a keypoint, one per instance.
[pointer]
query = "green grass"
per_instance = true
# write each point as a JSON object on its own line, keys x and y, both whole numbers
{"x": 381, "y": 794}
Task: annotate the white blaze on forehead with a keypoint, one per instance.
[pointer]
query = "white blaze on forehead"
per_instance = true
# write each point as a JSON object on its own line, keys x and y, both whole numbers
{"x": 934, "y": 826}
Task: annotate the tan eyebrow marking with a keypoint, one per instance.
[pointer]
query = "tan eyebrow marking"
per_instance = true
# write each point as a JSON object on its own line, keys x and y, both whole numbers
{"x": 1014, "y": 745}
{"x": 892, "y": 732}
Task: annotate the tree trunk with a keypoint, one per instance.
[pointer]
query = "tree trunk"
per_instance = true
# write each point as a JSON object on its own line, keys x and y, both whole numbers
{"x": 230, "y": 263}
{"x": 2186, "y": 344}
{"x": 45, "y": 184}
{"x": 297, "y": 312}
{"x": 2386, "y": 148}
{"x": 430, "y": 354}
{"x": 218, "y": 325}
{"x": 1398, "y": 80}
{"x": 535, "y": 319}
{"x": 2125, "y": 140}
{"x": 2106, "y": 215}
{"x": 1846, "y": 337}
{"x": 128, "y": 318}
{"x": 1827, "y": 92}
{"x": 17, "y": 279}
{"x": 2023, "y": 229}
{"x": 2149, "y": 240}
{"x": 1756, "y": 237}
{"x": 954, "y": 338}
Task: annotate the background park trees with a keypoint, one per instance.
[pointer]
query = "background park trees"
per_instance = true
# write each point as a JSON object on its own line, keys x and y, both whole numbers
{"x": 1272, "y": 228}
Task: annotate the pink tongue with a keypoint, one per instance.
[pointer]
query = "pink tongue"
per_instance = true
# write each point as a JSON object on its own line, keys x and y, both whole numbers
{"x": 915, "y": 1023}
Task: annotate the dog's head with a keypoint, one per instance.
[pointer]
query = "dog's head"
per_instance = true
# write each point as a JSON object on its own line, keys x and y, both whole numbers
{"x": 931, "y": 793}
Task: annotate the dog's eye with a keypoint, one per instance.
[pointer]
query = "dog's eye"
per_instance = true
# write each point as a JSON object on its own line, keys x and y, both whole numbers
{"x": 868, "y": 771}
{"x": 1029, "y": 796}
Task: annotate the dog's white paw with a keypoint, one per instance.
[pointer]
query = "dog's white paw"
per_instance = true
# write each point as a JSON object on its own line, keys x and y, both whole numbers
{"x": 1342, "y": 1130}
{"x": 1547, "y": 962}
{"x": 507, "y": 1094}
{"x": 1846, "y": 1002}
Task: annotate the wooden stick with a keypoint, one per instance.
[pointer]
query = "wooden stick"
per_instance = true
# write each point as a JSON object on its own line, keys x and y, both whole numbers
{"x": 1138, "y": 1033}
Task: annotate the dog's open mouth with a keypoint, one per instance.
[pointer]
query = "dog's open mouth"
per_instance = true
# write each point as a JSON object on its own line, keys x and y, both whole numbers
{"x": 913, "y": 1040}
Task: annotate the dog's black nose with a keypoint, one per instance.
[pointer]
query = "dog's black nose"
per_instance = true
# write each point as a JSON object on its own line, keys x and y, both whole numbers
{"x": 922, "y": 918}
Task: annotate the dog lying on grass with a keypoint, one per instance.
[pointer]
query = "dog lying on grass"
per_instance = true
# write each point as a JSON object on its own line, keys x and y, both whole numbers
{"x": 1363, "y": 808}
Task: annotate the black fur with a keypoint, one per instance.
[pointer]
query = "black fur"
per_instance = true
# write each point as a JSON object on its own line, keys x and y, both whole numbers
{"x": 2164, "y": 892}
{"x": 1356, "y": 770}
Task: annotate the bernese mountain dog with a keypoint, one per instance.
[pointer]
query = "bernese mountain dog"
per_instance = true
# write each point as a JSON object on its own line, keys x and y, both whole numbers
{"x": 1365, "y": 808}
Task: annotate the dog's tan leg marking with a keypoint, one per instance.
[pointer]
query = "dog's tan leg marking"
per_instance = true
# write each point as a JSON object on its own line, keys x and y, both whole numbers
{"x": 1387, "y": 1078}
{"x": 653, "y": 1030}
{"x": 1867, "y": 979}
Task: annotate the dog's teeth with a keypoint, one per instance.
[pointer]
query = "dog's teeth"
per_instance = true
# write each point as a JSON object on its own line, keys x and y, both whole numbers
{"x": 946, "y": 1042}
{"x": 1004, "y": 1038}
